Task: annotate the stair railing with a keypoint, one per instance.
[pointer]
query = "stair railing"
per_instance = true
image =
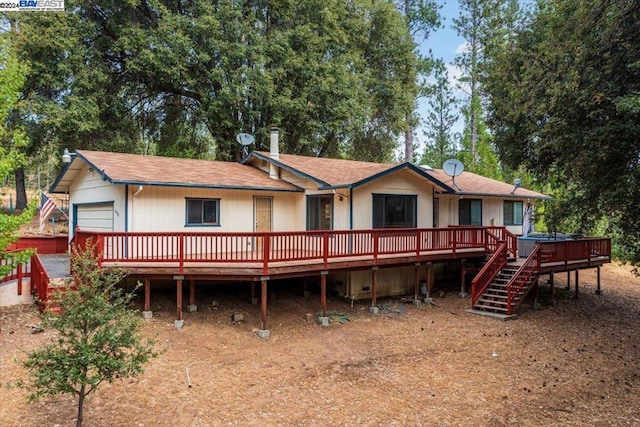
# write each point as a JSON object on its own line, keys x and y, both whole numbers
{"x": 490, "y": 270}
{"x": 521, "y": 277}
{"x": 39, "y": 282}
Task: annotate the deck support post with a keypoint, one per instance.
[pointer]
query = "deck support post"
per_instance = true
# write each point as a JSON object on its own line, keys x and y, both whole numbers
{"x": 374, "y": 284}
{"x": 254, "y": 298}
{"x": 429, "y": 282}
{"x": 305, "y": 288}
{"x": 577, "y": 283}
{"x": 179, "y": 323}
{"x": 323, "y": 292}
{"x": 598, "y": 291}
{"x": 192, "y": 297}
{"x": 568, "y": 280}
{"x": 147, "y": 313}
{"x": 463, "y": 279}
{"x": 416, "y": 288}
{"x": 323, "y": 320}
{"x": 551, "y": 284}
{"x": 19, "y": 279}
{"x": 536, "y": 301}
{"x": 264, "y": 331}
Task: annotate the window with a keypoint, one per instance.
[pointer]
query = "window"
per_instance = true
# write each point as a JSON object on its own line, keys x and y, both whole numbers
{"x": 470, "y": 212}
{"x": 203, "y": 211}
{"x": 320, "y": 212}
{"x": 394, "y": 211}
{"x": 512, "y": 212}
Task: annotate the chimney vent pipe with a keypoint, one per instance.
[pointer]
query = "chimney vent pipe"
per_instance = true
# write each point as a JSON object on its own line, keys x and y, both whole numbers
{"x": 274, "y": 153}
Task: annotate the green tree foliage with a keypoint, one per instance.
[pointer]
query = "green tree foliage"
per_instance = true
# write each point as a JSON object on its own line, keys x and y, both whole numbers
{"x": 13, "y": 141}
{"x": 421, "y": 17}
{"x": 485, "y": 162}
{"x": 564, "y": 102}
{"x": 184, "y": 78}
{"x": 9, "y": 226}
{"x": 439, "y": 145}
{"x": 485, "y": 25}
{"x": 98, "y": 335}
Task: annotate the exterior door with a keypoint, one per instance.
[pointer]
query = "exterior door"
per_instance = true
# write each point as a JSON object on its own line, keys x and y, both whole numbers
{"x": 263, "y": 217}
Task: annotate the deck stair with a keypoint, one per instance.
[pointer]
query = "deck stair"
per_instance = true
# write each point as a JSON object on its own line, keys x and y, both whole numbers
{"x": 494, "y": 299}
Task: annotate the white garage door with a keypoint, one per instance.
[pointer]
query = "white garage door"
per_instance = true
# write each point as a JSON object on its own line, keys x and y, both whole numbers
{"x": 95, "y": 217}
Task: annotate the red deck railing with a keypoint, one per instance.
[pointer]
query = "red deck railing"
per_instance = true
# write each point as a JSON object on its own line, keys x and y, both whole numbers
{"x": 556, "y": 252}
{"x": 274, "y": 247}
{"x": 18, "y": 272}
{"x": 39, "y": 282}
{"x": 486, "y": 275}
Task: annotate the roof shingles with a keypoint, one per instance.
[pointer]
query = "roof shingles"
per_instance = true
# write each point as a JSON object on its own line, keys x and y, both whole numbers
{"x": 154, "y": 170}
{"x": 332, "y": 172}
{"x": 471, "y": 183}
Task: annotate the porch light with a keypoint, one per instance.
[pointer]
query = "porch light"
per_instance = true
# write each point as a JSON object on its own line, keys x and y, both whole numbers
{"x": 66, "y": 156}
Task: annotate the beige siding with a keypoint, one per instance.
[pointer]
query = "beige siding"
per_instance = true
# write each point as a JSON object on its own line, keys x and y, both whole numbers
{"x": 402, "y": 182}
{"x": 390, "y": 282}
{"x": 91, "y": 188}
{"x": 164, "y": 209}
{"x": 492, "y": 211}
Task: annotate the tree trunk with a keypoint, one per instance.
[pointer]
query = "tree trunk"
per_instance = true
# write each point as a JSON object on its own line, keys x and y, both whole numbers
{"x": 81, "y": 397}
{"x": 408, "y": 144}
{"x": 21, "y": 190}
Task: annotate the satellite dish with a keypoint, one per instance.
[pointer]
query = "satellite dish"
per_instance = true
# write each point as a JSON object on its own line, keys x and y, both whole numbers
{"x": 453, "y": 167}
{"x": 245, "y": 139}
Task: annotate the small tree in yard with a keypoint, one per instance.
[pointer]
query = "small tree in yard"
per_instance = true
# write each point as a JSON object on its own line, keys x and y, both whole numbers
{"x": 98, "y": 335}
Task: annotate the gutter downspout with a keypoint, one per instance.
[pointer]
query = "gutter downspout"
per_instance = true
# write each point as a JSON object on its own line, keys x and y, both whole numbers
{"x": 350, "y": 208}
{"x": 126, "y": 208}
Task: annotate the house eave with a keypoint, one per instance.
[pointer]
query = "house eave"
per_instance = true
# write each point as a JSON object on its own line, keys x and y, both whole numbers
{"x": 504, "y": 195}
{"x": 281, "y": 165}
{"x": 209, "y": 186}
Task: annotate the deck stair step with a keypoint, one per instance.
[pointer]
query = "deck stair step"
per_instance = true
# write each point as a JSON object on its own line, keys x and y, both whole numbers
{"x": 494, "y": 298}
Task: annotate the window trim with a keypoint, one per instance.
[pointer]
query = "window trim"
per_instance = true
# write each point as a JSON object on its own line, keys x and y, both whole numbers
{"x": 513, "y": 211}
{"x": 384, "y": 197}
{"x": 319, "y": 197}
{"x": 202, "y": 224}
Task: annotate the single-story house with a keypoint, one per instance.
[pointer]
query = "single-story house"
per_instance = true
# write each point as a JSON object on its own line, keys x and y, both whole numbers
{"x": 270, "y": 191}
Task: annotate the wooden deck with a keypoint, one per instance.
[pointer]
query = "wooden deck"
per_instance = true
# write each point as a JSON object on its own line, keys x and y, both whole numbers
{"x": 253, "y": 256}
{"x": 261, "y": 257}
{"x": 253, "y": 271}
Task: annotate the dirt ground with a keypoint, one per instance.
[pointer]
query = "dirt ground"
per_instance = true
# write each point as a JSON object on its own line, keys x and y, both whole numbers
{"x": 572, "y": 362}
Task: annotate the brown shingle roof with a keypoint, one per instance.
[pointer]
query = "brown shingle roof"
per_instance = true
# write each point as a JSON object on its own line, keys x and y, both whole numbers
{"x": 138, "y": 169}
{"x": 471, "y": 183}
{"x": 332, "y": 172}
